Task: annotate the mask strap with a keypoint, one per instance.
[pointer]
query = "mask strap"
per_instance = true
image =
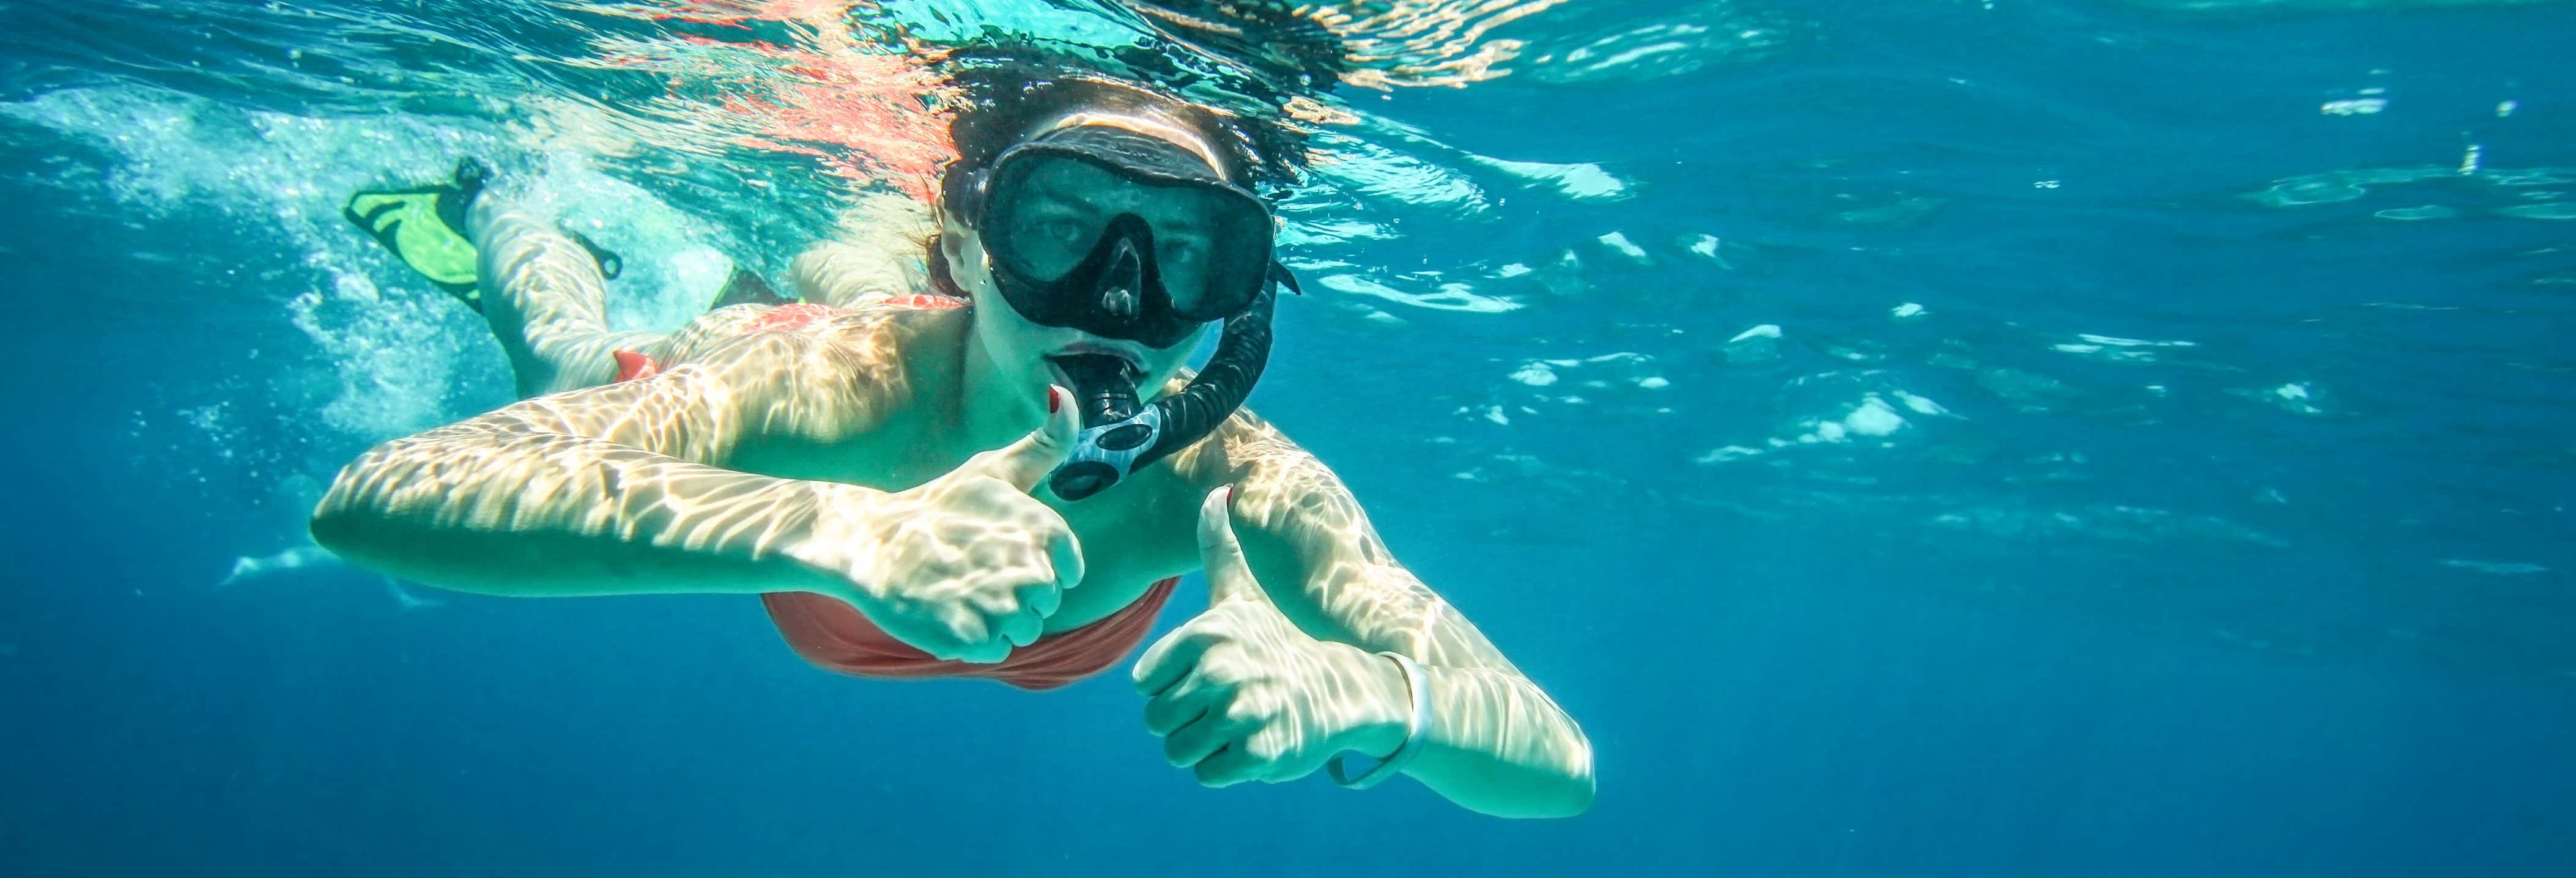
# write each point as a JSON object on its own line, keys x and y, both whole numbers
{"x": 1281, "y": 277}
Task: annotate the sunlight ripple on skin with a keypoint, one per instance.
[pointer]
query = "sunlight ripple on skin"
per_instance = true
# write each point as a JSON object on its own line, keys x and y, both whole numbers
{"x": 1394, "y": 608}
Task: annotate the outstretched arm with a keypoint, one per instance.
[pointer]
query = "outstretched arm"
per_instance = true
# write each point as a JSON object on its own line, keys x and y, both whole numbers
{"x": 1496, "y": 743}
{"x": 605, "y": 490}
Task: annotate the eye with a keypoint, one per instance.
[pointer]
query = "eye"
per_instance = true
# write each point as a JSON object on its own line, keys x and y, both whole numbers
{"x": 1181, "y": 250}
{"x": 1062, "y": 229}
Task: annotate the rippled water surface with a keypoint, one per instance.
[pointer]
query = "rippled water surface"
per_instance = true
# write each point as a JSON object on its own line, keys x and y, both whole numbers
{"x": 2100, "y": 437}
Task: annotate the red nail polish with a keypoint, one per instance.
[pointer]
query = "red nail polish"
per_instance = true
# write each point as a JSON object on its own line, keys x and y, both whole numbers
{"x": 1052, "y": 403}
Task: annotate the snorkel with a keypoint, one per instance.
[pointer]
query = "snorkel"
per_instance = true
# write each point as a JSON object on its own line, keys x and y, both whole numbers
{"x": 1120, "y": 437}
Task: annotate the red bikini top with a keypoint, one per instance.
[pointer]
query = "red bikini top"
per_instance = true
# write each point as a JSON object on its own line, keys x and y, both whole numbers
{"x": 836, "y": 636}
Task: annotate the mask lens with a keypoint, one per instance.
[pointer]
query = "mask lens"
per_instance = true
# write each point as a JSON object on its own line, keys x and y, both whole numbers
{"x": 1041, "y": 224}
{"x": 1238, "y": 256}
{"x": 1185, "y": 242}
{"x": 1210, "y": 247}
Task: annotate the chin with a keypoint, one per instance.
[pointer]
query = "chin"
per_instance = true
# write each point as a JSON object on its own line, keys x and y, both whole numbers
{"x": 1159, "y": 374}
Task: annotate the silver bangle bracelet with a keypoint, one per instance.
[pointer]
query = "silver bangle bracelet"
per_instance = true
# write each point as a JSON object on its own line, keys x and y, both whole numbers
{"x": 1418, "y": 685}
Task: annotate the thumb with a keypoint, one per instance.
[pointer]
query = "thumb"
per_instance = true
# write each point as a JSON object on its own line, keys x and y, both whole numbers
{"x": 1027, "y": 462}
{"x": 1229, "y": 577}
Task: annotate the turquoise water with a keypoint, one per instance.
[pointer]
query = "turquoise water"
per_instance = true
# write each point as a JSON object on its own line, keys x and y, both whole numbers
{"x": 1976, "y": 438}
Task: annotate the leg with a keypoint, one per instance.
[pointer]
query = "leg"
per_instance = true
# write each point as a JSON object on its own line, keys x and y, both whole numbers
{"x": 877, "y": 256}
{"x": 546, "y": 302}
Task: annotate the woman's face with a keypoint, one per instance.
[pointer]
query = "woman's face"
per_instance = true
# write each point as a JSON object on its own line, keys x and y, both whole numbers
{"x": 1020, "y": 347}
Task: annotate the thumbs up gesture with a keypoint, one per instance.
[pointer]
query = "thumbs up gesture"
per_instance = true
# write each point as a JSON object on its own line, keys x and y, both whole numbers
{"x": 965, "y": 566}
{"x": 1240, "y": 693}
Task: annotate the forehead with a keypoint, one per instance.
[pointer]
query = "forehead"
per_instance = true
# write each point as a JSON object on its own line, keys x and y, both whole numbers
{"x": 1075, "y": 180}
{"x": 1138, "y": 131}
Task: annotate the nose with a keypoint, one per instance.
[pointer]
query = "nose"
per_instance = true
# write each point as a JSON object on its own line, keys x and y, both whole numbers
{"x": 1118, "y": 286}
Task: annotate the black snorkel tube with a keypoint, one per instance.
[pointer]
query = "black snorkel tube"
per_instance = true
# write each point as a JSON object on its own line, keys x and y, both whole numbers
{"x": 1119, "y": 437}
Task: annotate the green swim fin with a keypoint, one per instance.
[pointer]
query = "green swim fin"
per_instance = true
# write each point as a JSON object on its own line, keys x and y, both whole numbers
{"x": 746, "y": 287}
{"x": 425, "y": 226}
{"x": 610, "y": 264}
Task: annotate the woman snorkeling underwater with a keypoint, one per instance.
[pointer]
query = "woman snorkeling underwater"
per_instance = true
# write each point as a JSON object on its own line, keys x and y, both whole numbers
{"x": 994, "y": 470}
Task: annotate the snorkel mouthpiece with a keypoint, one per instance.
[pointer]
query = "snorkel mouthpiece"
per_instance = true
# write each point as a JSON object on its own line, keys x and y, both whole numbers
{"x": 1104, "y": 387}
{"x": 1104, "y": 393}
{"x": 1119, "y": 436}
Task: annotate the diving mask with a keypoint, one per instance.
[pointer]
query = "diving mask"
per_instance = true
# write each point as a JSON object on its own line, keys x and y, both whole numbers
{"x": 1121, "y": 235}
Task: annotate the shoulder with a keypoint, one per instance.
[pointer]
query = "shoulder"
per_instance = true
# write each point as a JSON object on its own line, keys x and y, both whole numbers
{"x": 1259, "y": 459}
{"x": 1287, "y": 504}
{"x": 812, "y": 369}
{"x": 880, "y": 324}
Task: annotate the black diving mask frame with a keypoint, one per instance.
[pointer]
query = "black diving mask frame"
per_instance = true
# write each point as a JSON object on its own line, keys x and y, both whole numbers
{"x": 1062, "y": 263}
{"x": 1117, "y": 290}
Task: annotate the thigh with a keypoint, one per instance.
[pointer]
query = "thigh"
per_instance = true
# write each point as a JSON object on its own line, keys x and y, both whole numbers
{"x": 546, "y": 303}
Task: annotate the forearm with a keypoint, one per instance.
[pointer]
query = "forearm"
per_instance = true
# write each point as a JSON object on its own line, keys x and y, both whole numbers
{"x": 518, "y": 513}
{"x": 1497, "y": 745}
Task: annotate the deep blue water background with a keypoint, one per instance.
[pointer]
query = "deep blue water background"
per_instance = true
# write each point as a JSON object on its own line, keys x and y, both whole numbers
{"x": 2070, "y": 627}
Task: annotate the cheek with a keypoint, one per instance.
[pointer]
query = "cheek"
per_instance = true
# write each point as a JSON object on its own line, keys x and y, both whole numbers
{"x": 1167, "y": 362}
{"x": 966, "y": 265}
{"x": 970, "y": 273}
{"x": 1009, "y": 336}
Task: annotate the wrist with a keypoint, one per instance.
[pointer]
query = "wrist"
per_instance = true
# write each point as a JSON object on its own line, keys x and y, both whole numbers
{"x": 831, "y": 539}
{"x": 1416, "y": 730}
{"x": 1386, "y": 726}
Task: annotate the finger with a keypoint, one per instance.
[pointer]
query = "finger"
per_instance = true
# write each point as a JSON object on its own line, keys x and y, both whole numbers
{"x": 1229, "y": 576}
{"x": 1027, "y": 462}
{"x": 1064, "y": 552}
{"x": 929, "y": 636}
{"x": 1169, "y": 658}
{"x": 1293, "y": 762}
{"x": 1042, "y": 598}
{"x": 1227, "y": 767}
{"x": 1022, "y": 628}
{"x": 962, "y": 622}
{"x": 991, "y": 652}
{"x": 990, "y": 597}
{"x": 971, "y": 636}
{"x": 1196, "y": 741}
{"x": 1180, "y": 704}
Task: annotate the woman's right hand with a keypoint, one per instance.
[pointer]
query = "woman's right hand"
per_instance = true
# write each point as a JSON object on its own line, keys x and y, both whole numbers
{"x": 965, "y": 566}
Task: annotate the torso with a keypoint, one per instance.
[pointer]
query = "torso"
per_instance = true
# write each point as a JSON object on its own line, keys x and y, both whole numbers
{"x": 906, "y": 369}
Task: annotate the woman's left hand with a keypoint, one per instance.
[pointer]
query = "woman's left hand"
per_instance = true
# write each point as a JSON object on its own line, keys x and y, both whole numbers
{"x": 1240, "y": 693}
